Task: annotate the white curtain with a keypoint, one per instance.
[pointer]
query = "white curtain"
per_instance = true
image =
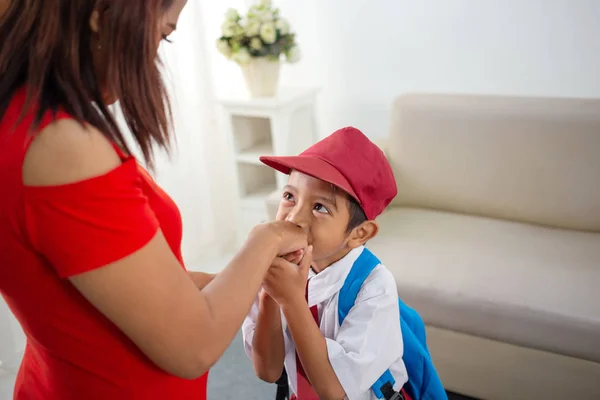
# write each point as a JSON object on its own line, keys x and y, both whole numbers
{"x": 198, "y": 174}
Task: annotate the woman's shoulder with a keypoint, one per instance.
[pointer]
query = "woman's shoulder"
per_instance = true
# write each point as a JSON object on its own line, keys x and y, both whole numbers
{"x": 66, "y": 151}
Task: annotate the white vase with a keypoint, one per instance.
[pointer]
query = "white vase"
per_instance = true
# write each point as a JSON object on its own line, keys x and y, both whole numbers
{"x": 262, "y": 77}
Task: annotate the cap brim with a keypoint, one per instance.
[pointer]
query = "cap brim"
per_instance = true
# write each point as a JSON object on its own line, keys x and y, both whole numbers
{"x": 312, "y": 166}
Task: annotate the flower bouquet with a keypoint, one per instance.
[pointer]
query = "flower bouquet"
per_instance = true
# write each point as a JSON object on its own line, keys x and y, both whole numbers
{"x": 257, "y": 42}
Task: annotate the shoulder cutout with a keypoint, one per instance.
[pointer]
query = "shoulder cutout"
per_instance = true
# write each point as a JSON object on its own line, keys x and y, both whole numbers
{"x": 66, "y": 152}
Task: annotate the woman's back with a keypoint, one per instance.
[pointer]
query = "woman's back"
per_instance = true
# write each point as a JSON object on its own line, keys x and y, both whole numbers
{"x": 73, "y": 351}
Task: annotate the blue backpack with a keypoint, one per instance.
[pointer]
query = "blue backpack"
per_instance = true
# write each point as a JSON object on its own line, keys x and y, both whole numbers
{"x": 423, "y": 380}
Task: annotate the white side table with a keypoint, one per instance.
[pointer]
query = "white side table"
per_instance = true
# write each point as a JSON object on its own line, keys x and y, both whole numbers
{"x": 281, "y": 125}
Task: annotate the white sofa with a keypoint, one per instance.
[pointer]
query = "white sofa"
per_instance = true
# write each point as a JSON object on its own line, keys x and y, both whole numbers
{"x": 494, "y": 238}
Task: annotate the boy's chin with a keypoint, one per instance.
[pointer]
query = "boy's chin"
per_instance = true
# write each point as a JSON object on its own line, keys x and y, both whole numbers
{"x": 322, "y": 261}
{"x": 319, "y": 261}
{"x": 318, "y": 255}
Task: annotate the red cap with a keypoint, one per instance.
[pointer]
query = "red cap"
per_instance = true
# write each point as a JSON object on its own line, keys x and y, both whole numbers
{"x": 350, "y": 161}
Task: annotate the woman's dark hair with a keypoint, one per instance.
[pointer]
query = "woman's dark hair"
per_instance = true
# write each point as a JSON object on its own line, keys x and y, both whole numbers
{"x": 47, "y": 47}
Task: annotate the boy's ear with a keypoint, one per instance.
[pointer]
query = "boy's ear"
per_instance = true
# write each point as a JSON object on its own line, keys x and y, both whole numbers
{"x": 363, "y": 233}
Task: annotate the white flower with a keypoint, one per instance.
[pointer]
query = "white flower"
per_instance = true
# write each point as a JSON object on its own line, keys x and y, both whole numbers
{"x": 282, "y": 26}
{"x": 266, "y": 3}
{"x": 223, "y": 47}
{"x": 252, "y": 27}
{"x": 242, "y": 56}
{"x": 267, "y": 17}
{"x": 268, "y": 33}
{"x": 293, "y": 55}
{"x": 255, "y": 13}
{"x": 231, "y": 28}
{"x": 255, "y": 43}
{"x": 232, "y": 15}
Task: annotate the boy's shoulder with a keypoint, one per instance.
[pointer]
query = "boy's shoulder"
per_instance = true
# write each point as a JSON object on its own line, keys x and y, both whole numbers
{"x": 381, "y": 278}
{"x": 380, "y": 281}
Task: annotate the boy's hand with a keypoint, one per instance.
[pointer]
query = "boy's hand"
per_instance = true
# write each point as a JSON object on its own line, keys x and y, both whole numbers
{"x": 294, "y": 258}
{"x": 286, "y": 282}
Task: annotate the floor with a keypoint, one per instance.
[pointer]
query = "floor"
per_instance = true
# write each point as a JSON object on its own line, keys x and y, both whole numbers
{"x": 232, "y": 378}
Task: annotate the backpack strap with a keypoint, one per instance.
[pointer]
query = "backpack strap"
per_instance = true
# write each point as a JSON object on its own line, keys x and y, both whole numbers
{"x": 283, "y": 388}
{"x": 361, "y": 269}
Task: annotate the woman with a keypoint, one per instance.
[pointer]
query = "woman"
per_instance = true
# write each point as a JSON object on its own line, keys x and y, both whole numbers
{"x": 90, "y": 259}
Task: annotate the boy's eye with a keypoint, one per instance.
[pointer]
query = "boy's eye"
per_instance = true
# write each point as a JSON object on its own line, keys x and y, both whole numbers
{"x": 288, "y": 196}
{"x": 321, "y": 208}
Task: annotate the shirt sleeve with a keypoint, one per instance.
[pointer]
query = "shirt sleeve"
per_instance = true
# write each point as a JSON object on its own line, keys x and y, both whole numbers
{"x": 249, "y": 327}
{"x": 85, "y": 225}
{"x": 369, "y": 340}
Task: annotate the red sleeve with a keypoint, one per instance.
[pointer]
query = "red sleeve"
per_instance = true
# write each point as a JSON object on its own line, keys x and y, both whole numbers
{"x": 85, "y": 225}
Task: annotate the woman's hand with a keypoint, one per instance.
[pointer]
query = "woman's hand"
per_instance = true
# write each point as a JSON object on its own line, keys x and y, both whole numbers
{"x": 294, "y": 257}
{"x": 289, "y": 237}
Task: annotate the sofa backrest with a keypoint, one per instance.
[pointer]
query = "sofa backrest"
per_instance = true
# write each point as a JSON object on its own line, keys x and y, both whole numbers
{"x": 526, "y": 159}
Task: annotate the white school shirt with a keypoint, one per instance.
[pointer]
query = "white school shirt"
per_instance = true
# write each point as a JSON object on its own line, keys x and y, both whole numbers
{"x": 369, "y": 341}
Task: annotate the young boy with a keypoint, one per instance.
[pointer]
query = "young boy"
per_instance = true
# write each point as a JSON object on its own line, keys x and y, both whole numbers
{"x": 335, "y": 190}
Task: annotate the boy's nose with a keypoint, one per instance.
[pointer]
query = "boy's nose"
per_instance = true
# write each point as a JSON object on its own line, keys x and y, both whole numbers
{"x": 298, "y": 219}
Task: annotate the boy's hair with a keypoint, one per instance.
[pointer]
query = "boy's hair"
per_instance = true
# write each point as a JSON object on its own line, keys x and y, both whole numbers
{"x": 357, "y": 214}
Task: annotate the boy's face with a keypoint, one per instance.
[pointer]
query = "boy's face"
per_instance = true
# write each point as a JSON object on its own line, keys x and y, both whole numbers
{"x": 323, "y": 213}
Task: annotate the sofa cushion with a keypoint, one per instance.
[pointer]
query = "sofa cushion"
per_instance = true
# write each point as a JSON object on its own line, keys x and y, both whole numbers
{"x": 523, "y": 159}
{"x": 524, "y": 284}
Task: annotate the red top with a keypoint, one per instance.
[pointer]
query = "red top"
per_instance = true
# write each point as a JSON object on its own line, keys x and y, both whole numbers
{"x": 48, "y": 234}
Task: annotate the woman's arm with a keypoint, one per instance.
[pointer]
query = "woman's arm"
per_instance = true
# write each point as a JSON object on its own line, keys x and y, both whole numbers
{"x": 201, "y": 279}
{"x": 183, "y": 330}
{"x": 146, "y": 293}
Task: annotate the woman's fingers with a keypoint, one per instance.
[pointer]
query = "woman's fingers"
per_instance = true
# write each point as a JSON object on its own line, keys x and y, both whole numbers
{"x": 293, "y": 237}
{"x": 294, "y": 257}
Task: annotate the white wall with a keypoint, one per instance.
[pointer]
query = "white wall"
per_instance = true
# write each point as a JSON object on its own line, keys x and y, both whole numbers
{"x": 365, "y": 53}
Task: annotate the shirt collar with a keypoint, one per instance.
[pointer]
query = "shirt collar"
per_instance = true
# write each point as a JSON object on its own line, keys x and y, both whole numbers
{"x": 328, "y": 282}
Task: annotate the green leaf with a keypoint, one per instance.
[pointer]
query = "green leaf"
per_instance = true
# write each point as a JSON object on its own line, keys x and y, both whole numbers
{"x": 235, "y": 45}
